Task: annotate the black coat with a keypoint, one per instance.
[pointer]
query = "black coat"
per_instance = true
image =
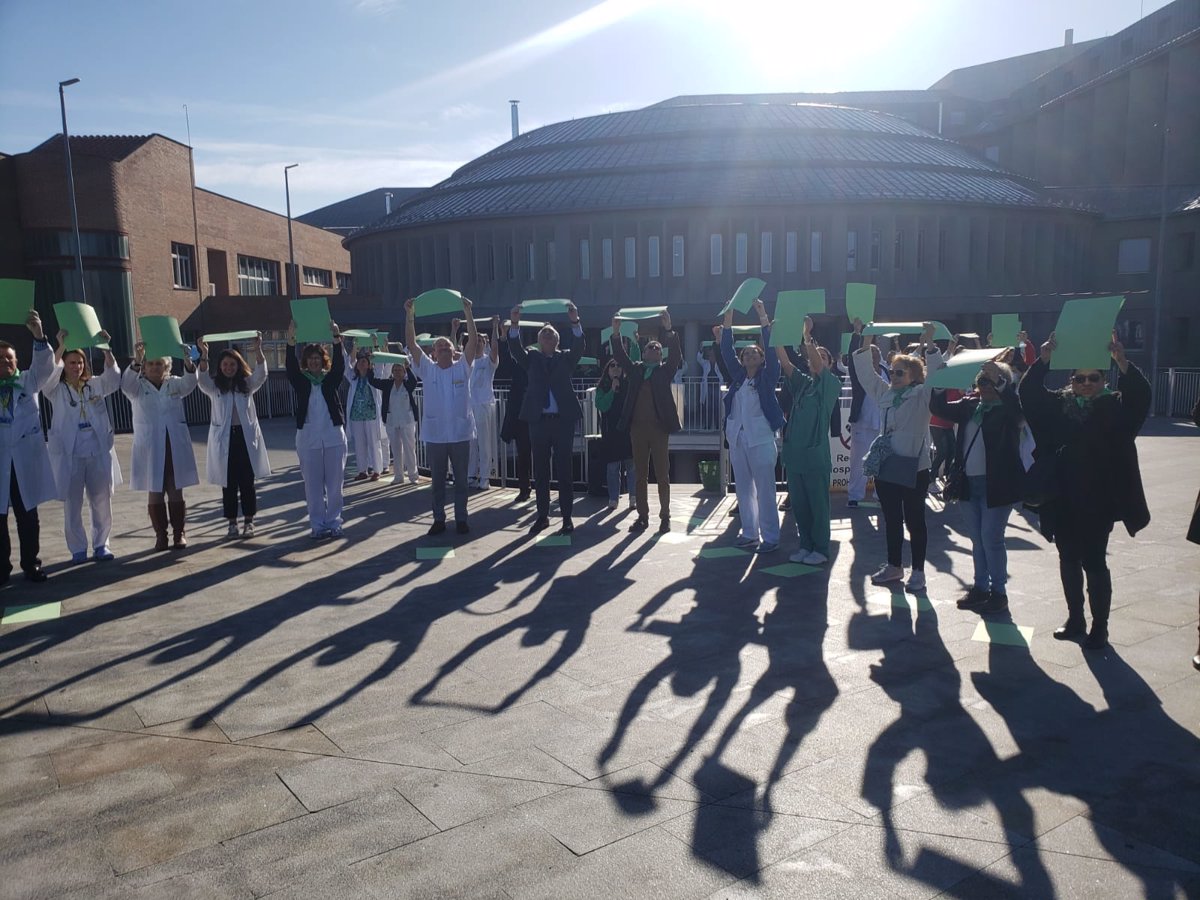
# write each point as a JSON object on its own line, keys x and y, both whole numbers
{"x": 516, "y": 396}
{"x": 384, "y": 386}
{"x": 1001, "y": 436}
{"x": 614, "y": 439}
{"x": 330, "y": 385}
{"x": 549, "y": 374}
{"x": 1096, "y": 462}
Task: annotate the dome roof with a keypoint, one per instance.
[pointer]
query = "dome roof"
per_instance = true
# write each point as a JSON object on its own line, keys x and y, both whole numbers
{"x": 716, "y": 155}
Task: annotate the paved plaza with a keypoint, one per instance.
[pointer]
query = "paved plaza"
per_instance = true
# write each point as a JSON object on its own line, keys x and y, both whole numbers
{"x": 605, "y": 715}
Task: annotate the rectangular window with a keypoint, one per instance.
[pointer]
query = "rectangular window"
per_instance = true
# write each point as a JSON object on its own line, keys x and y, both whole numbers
{"x": 791, "y": 251}
{"x": 585, "y": 258}
{"x": 343, "y": 281}
{"x": 943, "y": 238}
{"x": 257, "y": 277}
{"x": 606, "y": 265}
{"x": 898, "y": 251}
{"x": 741, "y": 250}
{"x": 551, "y": 262}
{"x": 183, "y": 266}
{"x": 653, "y": 262}
{"x": 530, "y": 262}
{"x": 876, "y": 249}
{"x": 510, "y": 255}
{"x": 1133, "y": 256}
{"x": 766, "y": 251}
{"x": 1185, "y": 251}
{"x": 814, "y": 251}
{"x": 714, "y": 255}
{"x": 851, "y": 251}
{"x": 920, "y": 248}
{"x": 631, "y": 257}
{"x": 472, "y": 267}
{"x": 317, "y": 277}
{"x": 677, "y": 256}
{"x": 491, "y": 262}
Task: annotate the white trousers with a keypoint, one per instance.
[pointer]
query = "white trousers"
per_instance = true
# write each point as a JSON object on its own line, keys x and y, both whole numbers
{"x": 323, "y": 470}
{"x": 365, "y": 435}
{"x": 92, "y": 474}
{"x": 404, "y": 444}
{"x": 861, "y": 437}
{"x": 483, "y": 445}
{"x": 385, "y": 447}
{"x": 754, "y": 481}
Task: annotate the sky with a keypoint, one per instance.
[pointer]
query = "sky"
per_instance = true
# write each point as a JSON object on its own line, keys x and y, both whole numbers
{"x": 399, "y": 93}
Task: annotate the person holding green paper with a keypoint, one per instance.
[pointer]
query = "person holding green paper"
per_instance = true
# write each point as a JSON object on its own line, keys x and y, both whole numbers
{"x": 163, "y": 462}
{"x": 81, "y": 446}
{"x": 363, "y": 402}
{"x": 483, "y": 408}
{"x": 237, "y": 453}
{"x": 26, "y": 480}
{"x": 806, "y": 455}
{"x": 615, "y": 448}
{"x": 400, "y": 417}
{"x": 1088, "y": 434}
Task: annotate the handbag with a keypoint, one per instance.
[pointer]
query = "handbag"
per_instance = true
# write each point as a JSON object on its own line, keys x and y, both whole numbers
{"x": 1041, "y": 482}
{"x": 897, "y": 469}
{"x": 956, "y": 481}
{"x": 880, "y": 449}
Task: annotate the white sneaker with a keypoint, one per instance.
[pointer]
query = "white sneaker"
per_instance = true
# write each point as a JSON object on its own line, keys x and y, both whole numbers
{"x": 248, "y": 528}
{"x": 336, "y": 531}
{"x": 413, "y": 479}
{"x": 800, "y": 555}
{"x": 916, "y": 581}
{"x": 888, "y": 575}
{"x": 815, "y": 559}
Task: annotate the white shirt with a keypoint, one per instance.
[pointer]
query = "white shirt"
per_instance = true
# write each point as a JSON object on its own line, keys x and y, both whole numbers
{"x": 319, "y": 430}
{"x": 399, "y": 409}
{"x": 976, "y": 462}
{"x": 746, "y": 420}
{"x": 483, "y": 374}
{"x": 445, "y": 401}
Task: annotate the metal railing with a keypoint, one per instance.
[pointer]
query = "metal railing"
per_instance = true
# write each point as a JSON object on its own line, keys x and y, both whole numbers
{"x": 1177, "y": 391}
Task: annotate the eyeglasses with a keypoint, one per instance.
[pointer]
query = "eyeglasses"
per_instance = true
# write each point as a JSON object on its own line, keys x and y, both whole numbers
{"x": 1094, "y": 378}
{"x": 984, "y": 382}
{"x": 900, "y": 372}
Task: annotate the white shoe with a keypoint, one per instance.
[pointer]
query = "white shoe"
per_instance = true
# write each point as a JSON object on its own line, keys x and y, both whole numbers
{"x": 916, "y": 581}
{"x": 248, "y": 528}
{"x": 815, "y": 559}
{"x": 413, "y": 479}
{"x": 335, "y": 531}
{"x": 800, "y": 555}
{"x": 888, "y": 575}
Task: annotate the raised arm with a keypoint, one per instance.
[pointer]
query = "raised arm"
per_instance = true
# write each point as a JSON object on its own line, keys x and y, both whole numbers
{"x": 670, "y": 339}
{"x": 866, "y": 362}
{"x": 495, "y": 342}
{"x": 516, "y": 347}
{"x": 616, "y": 343}
{"x": 410, "y": 332}
{"x": 472, "y": 332}
{"x": 42, "y": 368}
{"x": 575, "y": 353}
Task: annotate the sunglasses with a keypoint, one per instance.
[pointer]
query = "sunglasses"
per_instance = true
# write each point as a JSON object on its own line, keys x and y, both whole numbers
{"x": 1094, "y": 378}
{"x": 895, "y": 372}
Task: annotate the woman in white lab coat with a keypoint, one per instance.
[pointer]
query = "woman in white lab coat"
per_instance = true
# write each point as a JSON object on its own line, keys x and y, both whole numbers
{"x": 236, "y": 451}
{"x": 81, "y": 446}
{"x": 163, "y": 461}
{"x": 362, "y": 415}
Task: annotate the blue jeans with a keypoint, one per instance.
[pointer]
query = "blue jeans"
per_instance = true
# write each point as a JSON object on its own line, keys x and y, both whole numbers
{"x": 613, "y": 471}
{"x": 985, "y": 527}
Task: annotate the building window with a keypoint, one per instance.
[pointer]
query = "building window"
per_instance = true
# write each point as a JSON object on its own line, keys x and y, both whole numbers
{"x": 714, "y": 254}
{"x": 814, "y": 251}
{"x": 1185, "y": 251}
{"x": 851, "y": 251}
{"x": 585, "y": 258}
{"x": 766, "y": 251}
{"x": 472, "y": 266}
{"x": 530, "y": 262}
{"x": 789, "y": 251}
{"x": 510, "y": 255}
{"x": 551, "y": 262}
{"x": 257, "y": 277}
{"x": 343, "y": 281}
{"x": 183, "y": 265}
{"x": 631, "y": 257}
{"x": 491, "y": 262}
{"x": 677, "y": 256}
{"x": 898, "y": 251}
{"x": 921, "y": 248}
{"x": 741, "y": 250}
{"x": 317, "y": 277}
{"x": 1132, "y": 334}
{"x": 943, "y": 238}
{"x": 606, "y": 257}
{"x": 1133, "y": 256}
{"x": 98, "y": 244}
{"x": 876, "y": 249}
{"x": 653, "y": 262}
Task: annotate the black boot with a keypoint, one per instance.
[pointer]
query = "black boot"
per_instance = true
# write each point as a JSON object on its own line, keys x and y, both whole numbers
{"x": 1072, "y": 582}
{"x": 1100, "y": 598}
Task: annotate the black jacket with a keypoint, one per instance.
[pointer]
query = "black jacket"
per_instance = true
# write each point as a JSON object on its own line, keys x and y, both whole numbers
{"x": 549, "y": 374}
{"x": 659, "y": 383}
{"x": 1001, "y": 436}
{"x": 329, "y": 385}
{"x": 384, "y": 386}
{"x": 516, "y": 396}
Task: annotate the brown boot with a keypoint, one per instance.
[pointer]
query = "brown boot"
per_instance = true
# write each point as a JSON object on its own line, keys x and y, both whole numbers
{"x": 177, "y": 510}
{"x": 158, "y": 520}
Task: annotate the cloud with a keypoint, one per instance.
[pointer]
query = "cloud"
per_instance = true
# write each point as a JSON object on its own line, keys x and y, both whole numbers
{"x": 377, "y": 7}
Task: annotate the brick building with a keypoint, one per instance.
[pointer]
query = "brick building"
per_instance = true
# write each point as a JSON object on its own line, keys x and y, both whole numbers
{"x": 146, "y": 249}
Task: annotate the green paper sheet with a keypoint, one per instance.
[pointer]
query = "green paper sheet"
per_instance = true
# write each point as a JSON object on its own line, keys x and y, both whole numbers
{"x": 791, "y": 570}
{"x": 860, "y": 302}
{"x": 738, "y": 345}
{"x": 790, "y": 309}
{"x": 356, "y": 333}
{"x": 755, "y": 330}
{"x": 438, "y": 302}
{"x": 1084, "y": 331}
{"x": 230, "y": 336}
{"x": 961, "y": 369}
{"x": 847, "y": 336}
{"x": 311, "y": 315}
{"x": 588, "y": 361}
{"x": 721, "y": 552}
{"x": 545, "y": 307}
{"x": 16, "y": 300}
{"x": 743, "y": 298}
{"x": 81, "y": 324}
{"x": 1006, "y": 633}
{"x": 34, "y": 612}
{"x": 553, "y": 540}
{"x": 425, "y": 341}
{"x": 523, "y": 324}
{"x": 640, "y": 312}
{"x": 704, "y": 345}
{"x": 940, "y": 331}
{"x": 435, "y": 553}
{"x": 161, "y": 336}
{"x": 390, "y": 359}
{"x": 1004, "y": 329}
{"x": 628, "y": 329}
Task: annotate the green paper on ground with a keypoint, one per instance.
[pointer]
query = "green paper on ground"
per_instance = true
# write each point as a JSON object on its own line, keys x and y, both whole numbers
{"x": 1084, "y": 331}
{"x": 640, "y": 312}
{"x": 435, "y": 553}
{"x": 16, "y": 300}
{"x": 311, "y": 315}
{"x": 628, "y": 328}
{"x": 34, "y": 612}
{"x": 940, "y": 331}
{"x": 588, "y": 361}
{"x": 161, "y": 336}
{"x": 721, "y": 552}
{"x": 847, "y": 336}
{"x": 1003, "y": 633}
{"x": 743, "y": 298}
{"x": 791, "y": 570}
{"x": 870, "y": 504}
{"x": 860, "y": 302}
{"x": 1004, "y": 329}
{"x": 790, "y": 309}
{"x": 961, "y": 369}
{"x": 228, "y": 336}
{"x": 438, "y": 302}
{"x": 81, "y": 324}
{"x": 390, "y": 359}
{"x": 898, "y": 599}
{"x": 545, "y": 307}
{"x": 553, "y": 540}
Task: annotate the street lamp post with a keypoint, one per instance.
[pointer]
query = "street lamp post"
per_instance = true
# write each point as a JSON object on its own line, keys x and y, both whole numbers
{"x": 293, "y": 280}
{"x": 62, "y": 102}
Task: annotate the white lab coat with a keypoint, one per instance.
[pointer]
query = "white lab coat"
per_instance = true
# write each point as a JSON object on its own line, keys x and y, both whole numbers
{"x": 64, "y": 425}
{"x": 22, "y": 446}
{"x": 157, "y": 415}
{"x": 216, "y": 463}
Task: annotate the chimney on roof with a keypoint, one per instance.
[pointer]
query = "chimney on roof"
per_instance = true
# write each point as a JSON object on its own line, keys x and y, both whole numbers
{"x": 516, "y": 124}
{"x": 387, "y": 203}
{"x": 1069, "y": 37}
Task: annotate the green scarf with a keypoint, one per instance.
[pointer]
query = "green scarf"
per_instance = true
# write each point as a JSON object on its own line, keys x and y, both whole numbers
{"x": 12, "y": 380}
{"x": 1086, "y": 402}
{"x": 984, "y": 407}
{"x": 901, "y": 396}
{"x": 649, "y": 370}
{"x": 315, "y": 379}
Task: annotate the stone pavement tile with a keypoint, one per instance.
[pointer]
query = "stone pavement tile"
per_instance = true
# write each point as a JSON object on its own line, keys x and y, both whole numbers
{"x": 168, "y": 827}
{"x": 305, "y": 739}
{"x": 792, "y": 795}
{"x": 946, "y": 816}
{"x": 1084, "y": 837}
{"x": 503, "y": 732}
{"x": 336, "y": 881}
{"x": 70, "y": 707}
{"x": 282, "y": 854}
{"x": 580, "y": 748}
{"x": 204, "y": 730}
{"x": 198, "y": 875}
{"x": 651, "y": 863}
{"x": 27, "y": 776}
{"x": 584, "y": 819}
{"x": 51, "y": 858}
{"x": 414, "y": 751}
{"x": 1066, "y": 876}
{"x": 649, "y": 780}
{"x": 453, "y": 798}
{"x": 529, "y": 763}
{"x": 357, "y": 724}
{"x": 321, "y": 782}
{"x": 494, "y": 857}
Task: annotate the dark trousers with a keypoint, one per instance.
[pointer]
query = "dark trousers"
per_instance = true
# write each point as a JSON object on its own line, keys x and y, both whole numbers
{"x": 1082, "y": 543}
{"x": 524, "y": 456}
{"x": 239, "y": 478}
{"x": 904, "y": 506}
{"x": 28, "y": 531}
{"x": 553, "y": 435}
{"x": 440, "y": 456}
{"x": 943, "y": 450}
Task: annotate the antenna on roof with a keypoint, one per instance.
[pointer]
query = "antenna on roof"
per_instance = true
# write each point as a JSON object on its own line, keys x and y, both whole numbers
{"x": 516, "y": 123}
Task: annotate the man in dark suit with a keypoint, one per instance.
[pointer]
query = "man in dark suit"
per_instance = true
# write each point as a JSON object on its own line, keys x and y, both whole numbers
{"x": 551, "y": 410}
